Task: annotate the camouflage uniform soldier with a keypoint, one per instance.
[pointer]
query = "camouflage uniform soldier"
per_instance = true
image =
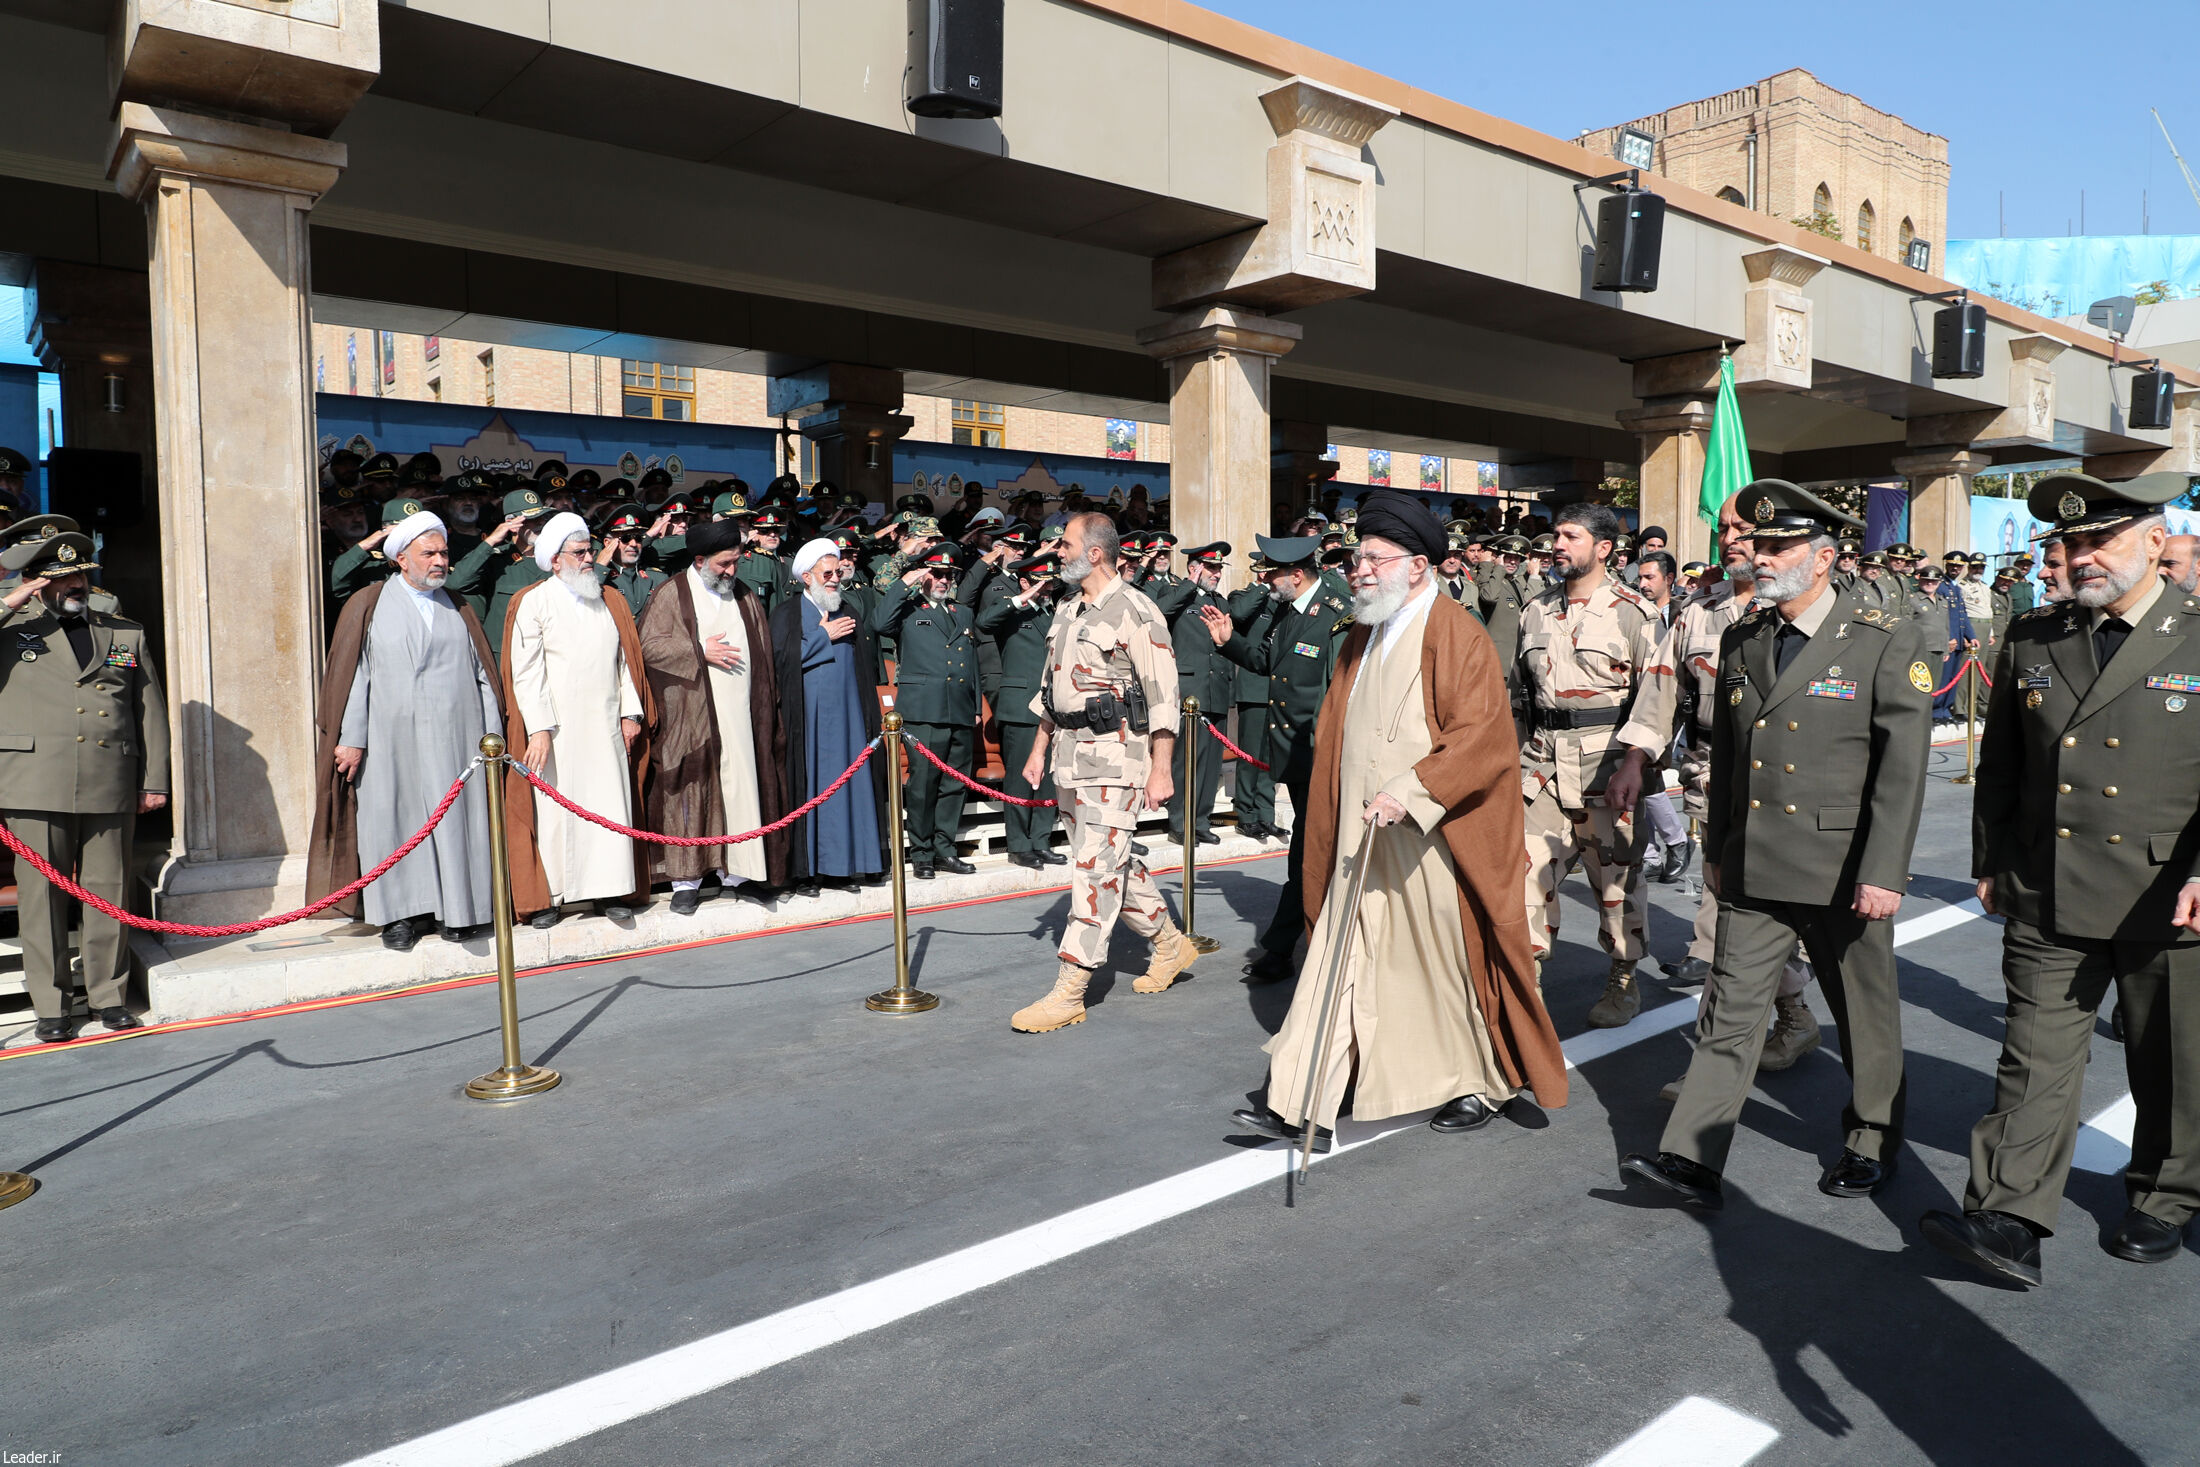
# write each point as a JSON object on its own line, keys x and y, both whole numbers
{"x": 1596, "y": 671}
{"x": 1107, "y": 652}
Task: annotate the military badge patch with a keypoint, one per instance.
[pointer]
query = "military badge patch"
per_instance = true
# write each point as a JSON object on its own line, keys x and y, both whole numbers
{"x": 1306, "y": 649}
{"x": 1831, "y": 688}
{"x": 1734, "y": 699}
{"x": 2174, "y": 703}
{"x": 2176, "y": 682}
{"x": 2070, "y": 506}
{"x": 121, "y": 657}
{"x": 1920, "y": 679}
{"x": 2034, "y": 698}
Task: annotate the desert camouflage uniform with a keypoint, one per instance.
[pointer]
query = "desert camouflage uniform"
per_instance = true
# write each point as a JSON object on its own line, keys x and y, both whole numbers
{"x": 1608, "y": 653}
{"x": 1100, "y": 774}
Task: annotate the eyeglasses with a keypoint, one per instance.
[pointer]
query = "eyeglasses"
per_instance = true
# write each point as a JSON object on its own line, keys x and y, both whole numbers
{"x": 1361, "y": 558}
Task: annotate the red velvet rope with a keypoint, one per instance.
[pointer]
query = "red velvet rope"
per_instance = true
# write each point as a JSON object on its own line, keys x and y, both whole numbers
{"x": 702, "y": 840}
{"x": 1966, "y": 662}
{"x": 1235, "y": 751}
{"x": 237, "y": 929}
{"x": 984, "y": 789}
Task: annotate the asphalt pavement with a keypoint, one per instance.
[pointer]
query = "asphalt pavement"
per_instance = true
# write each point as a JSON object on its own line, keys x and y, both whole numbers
{"x": 800, "y": 1232}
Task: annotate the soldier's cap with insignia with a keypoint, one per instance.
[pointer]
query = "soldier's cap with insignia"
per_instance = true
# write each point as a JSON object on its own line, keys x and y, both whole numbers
{"x": 1695, "y": 568}
{"x": 525, "y": 503}
{"x": 587, "y": 481}
{"x": 1849, "y": 547}
{"x": 771, "y": 519}
{"x": 381, "y": 466}
{"x": 657, "y": 479}
{"x": 1955, "y": 556}
{"x": 60, "y": 555}
{"x": 422, "y": 468}
{"x": 1902, "y": 550}
{"x": 624, "y": 519}
{"x": 1160, "y": 540}
{"x": 1977, "y": 557}
{"x": 622, "y": 490}
{"x": 2025, "y": 557}
{"x": 919, "y": 504}
{"x": 473, "y": 481}
{"x": 1052, "y": 534}
{"x": 1289, "y": 552}
{"x": 2007, "y": 570}
{"x": 13, "y": 462}
{"x": 38, "y": 527}
{"x": 1875, "y": 557}
{"x": 1015, "y": 535}
{"x": 848, "y": 538}
{"x": 2074, "y": 503}
{"x": 551, "y": 466}
{"x": 342, "y": 493}
{"x": 1035, "y": 566}
{"x": 680, "y": 502}
{"x": 1928, "y": 572}
{"x": 730, "y": 505}
{"x": 944, "y": 556}
{"x": 402, "y": 508}
{"x": 1543, "y": 544}
{"x": 921, "y": 525}
{"x": 1778, "y": 510}
{"x": 1214, "y": 554}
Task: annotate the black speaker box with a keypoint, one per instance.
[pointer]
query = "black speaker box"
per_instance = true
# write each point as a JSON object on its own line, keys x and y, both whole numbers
{"x": 954, "y": 58}
{"x": 1630, "y": 229}
{"x": 1959, "y": 340}
{"x": 99, "y": 488}
{"x": 2151, "y": 398}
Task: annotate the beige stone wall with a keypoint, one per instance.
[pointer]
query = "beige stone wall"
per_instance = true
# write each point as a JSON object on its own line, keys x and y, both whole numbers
{"x": 1808, "y": 134}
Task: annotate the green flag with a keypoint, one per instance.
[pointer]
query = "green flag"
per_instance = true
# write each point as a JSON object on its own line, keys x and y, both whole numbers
{"x": 1726, "y": 456}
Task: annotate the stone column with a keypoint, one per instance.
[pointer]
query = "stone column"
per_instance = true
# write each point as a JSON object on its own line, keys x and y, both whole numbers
{"x": 1940, "y": 496}
{"x": 1219, "y": 363}
{"x": 853, "y": 415}
{"x": 1673, "y": 431}
{"x": 226, "y": 205}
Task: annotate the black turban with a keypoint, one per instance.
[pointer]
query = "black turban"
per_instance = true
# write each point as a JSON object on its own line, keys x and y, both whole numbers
{"x": 1401, "y": 519}
{"x": 704, "y": 541}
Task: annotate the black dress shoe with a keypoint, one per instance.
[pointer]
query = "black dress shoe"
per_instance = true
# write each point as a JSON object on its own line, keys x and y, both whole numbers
{"x": 808, "y": 888}
{"x": 118, "y": 1019}
{"x": 468, "y": 934}
{"x": 56, "y": 1031}
{"x": 399, "y": 936}
{"x": 1676, "y": 861}
{"x": 875, "y": 878}
{"x": 616, "y": 911}
{"x": 1856, "y": 1176}
{"x": 1993, "y": 1242}
{"x": 922, "y": 870}
{"x": 1029, "y": 860}
{"x": 1268, "y": 1123}
{"x": 955, "y": 866}
{"x": 685, "y": 900}
{"x": 546, "y": 919}
{"x": 1053, "y": 858}
{"x": 1691, "y": 1181}
{"x": 1467, "y": 1113}
{"x": 1209, "y": 838}
{"x": 2116, "y": 1022}
{"x": 1269, "y": 967}
{"x": 1686, "y": 970}
{"x": 2143, "y": 1238}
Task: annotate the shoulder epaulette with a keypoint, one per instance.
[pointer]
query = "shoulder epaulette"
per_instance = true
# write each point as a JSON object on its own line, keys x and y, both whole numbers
{"x": 1343, "y": 622}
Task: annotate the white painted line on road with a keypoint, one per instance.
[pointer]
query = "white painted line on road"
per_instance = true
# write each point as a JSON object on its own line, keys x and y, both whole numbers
{"x": 2104, "y": 1143}
{"x": 1699, "y": 1432}
{"x": 528, "y": 1428}
{"x": 1934, "y": 923}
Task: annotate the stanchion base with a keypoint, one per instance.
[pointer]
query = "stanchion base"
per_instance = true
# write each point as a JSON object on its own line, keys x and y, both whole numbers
{"x": 1203, "y": 944}
{"x": 14, "y": 1187}
{"x": 503, "y": 1084}
{"x": 902, "y": 1001}
{"x": 1961, "y": 779}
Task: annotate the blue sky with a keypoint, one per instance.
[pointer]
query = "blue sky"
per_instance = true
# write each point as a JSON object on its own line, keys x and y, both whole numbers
{"x": 2037, "y": 101}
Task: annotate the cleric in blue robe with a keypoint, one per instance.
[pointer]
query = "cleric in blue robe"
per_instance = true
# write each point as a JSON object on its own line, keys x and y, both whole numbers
{"x": 827, "y": 660}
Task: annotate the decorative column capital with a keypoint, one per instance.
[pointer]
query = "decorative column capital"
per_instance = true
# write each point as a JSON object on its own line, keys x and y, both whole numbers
{"x": 1939, "y": 463}
{"x": 1324, "y": 116}
{"x": 1685, "y": 414}
{"x": 153, "y": 143}
{"x": 1220, "y": 329}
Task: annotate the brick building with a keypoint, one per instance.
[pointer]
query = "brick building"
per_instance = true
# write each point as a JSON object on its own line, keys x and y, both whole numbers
{"x": 1793, "y": 147}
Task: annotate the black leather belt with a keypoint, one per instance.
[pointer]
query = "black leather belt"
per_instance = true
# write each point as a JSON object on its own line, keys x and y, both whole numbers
{"x": 1564, "y": 718}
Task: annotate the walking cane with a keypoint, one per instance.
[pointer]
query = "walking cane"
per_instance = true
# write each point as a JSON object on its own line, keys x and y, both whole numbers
{"x": 901, "y": 998}
{"x": 515, "y": 1078}
{"x": 1340, "y": 941}
{"x": 1191, "y": 826}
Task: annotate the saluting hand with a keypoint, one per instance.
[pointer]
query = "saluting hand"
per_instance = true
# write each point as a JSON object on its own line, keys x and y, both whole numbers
{"x": 22, "y": 595}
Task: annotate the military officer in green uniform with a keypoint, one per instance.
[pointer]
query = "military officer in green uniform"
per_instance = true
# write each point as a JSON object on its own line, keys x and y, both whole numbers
{"x": 1253, "y": 789}
{"x": 936, "y": 693}
{"x": 668, "y": 533}
{"x": 382, "y": 477}
{"x": 503, "y": 564}
{"x": 914, "y": 536}
{"x": 856, "y": 594}
{"x": 1017, "y": 621}
{"x": 83, "y": 753}
{"x": 760, "y": 568}
{"x": 364, "y": 564}
{"x": 1819, "y": 745}
{"x": 18, "y": 546}
{"x": 1902, "y": 559}
{"x": 1298, "y": 657}
{"x": 1503, "y": 588}
{"x": 625, "y": 530}
{"x": 2022, "y": 597}
{"x": 1202, "y": 672}
{"x": 2085, "y": 840}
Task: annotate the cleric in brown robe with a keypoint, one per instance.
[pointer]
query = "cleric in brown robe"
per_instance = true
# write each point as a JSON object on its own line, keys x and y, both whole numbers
{"x": 1436, "y": 1005}
{"x": 709, "y": 776}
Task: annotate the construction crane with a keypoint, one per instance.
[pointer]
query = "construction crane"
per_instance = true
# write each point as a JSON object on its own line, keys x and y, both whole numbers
{"x": 2190, "y": 182}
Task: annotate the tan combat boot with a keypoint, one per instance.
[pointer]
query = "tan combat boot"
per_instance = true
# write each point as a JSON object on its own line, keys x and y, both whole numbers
{"x": 1063, "y": 1006}
{"x": 1794, "y": 1033}
{"x": 1622, "y": 998}
{"x": 1172, "y": 954}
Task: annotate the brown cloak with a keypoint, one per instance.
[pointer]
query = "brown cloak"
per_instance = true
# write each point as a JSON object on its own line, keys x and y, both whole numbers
{"x": 683, "y": 786}
{"x": 1474, "y": 773}
{"x": 332, "y": 853}
{"x": 531, "y": 886}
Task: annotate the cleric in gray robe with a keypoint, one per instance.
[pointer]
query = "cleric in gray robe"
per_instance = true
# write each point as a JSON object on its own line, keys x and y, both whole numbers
{"x": 421, "y": 696}
{"x": 828, "y": 688}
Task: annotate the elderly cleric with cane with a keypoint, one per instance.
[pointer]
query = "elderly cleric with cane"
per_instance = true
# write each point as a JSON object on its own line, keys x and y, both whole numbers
{"x": 1416, "y": 778}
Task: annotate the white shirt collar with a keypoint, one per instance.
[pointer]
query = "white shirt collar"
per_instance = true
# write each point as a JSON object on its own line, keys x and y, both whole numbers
{"x": 1306, "y": 598}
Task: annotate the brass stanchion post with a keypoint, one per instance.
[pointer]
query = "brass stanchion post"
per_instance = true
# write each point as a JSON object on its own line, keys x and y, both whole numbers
{"x": 1190, "y": 738}
{"x": 901, "y": 998}
{"x": 514, "y": 1078}
{"x": 1970, "y": 723}
{"x": 14, "y": 1187}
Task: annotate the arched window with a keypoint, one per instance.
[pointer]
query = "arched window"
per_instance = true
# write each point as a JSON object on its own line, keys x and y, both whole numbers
{"x": 1821, "y": 202}
{"x": 1733, "y": 195}
{"x": 1903, "y": 236}
{"x": 1865, "y": 219}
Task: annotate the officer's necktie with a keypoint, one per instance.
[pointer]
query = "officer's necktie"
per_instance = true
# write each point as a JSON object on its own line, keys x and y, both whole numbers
{"x": 1785, "y": 645}
{"x": 2107, "y": 637}
{"x": 80, "y": 639}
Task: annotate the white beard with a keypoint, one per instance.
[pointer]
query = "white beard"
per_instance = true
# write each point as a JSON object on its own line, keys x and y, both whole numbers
{"x": 825, "y": 599}
{"x": 466, "y": 514}
{"x": 582, "y": 582}
{"x": 1372, "y": 608}
{"x": 720, "y": 586}
{"x": 2097, "y": 585}
{"x": 432, "y": 581}
{"x": 1784, "y": 586}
